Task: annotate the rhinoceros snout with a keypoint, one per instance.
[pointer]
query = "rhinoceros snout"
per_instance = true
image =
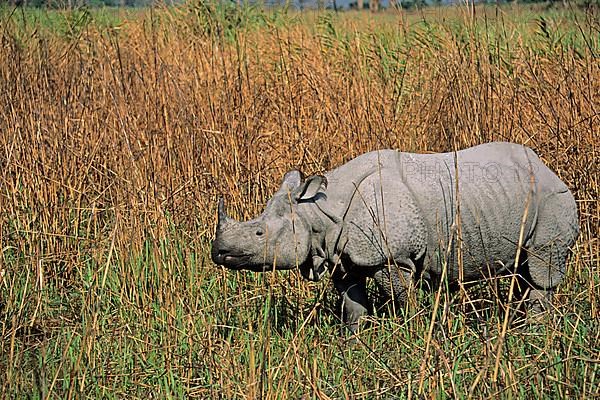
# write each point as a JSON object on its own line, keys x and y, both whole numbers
{"x": 218, "y": 254}
{"x": 227, "y": 257}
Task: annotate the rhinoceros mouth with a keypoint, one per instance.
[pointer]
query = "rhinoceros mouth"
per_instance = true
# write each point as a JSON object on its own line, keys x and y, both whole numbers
{"x": 232, "y": 261}
{"x": 243, "y": 262}
{"x": 237, "y": 263}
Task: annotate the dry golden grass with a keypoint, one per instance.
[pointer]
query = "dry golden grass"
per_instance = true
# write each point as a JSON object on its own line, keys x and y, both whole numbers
{"x": 117, "y": 139}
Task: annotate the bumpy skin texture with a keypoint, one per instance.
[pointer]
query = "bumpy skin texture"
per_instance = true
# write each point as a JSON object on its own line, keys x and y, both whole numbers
{"x": 397, "y": 217}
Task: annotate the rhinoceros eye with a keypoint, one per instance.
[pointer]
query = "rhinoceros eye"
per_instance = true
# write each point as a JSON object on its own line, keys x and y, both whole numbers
{"x": 259, "y": 232}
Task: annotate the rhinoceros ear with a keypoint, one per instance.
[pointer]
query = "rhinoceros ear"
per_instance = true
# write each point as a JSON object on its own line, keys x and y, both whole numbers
{"x": 291, "y": 181}
{"x": 310, "y": 188}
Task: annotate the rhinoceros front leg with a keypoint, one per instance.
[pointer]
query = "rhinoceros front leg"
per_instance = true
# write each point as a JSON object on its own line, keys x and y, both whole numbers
{"x": 355, "y": 302}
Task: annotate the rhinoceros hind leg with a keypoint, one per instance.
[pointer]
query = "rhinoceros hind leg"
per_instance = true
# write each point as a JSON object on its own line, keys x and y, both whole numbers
{"x": 539, "y": 301}
{"x": 547, "y": 250}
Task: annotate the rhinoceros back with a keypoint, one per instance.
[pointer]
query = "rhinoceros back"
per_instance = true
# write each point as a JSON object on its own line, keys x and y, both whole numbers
{"x": 480, "y": 199}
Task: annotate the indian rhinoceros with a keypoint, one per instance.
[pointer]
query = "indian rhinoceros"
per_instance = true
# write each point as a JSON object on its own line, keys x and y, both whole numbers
{"x": 402, "y": 217}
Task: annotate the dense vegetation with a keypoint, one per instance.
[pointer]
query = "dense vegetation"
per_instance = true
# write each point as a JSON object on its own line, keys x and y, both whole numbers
{"x": 120, "y": 128}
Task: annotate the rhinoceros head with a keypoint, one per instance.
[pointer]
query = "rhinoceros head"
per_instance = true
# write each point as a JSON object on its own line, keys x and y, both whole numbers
{"x": 280, "y": 238}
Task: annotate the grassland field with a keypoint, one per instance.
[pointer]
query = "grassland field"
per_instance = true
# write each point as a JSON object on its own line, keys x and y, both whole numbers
{"x": 120, "y": 128}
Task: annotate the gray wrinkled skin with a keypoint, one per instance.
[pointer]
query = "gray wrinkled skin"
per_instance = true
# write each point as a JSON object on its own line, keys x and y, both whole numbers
{"x": 398, "y": 217}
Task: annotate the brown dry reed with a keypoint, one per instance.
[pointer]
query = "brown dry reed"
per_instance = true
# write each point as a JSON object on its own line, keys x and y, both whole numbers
{"x": 118, "y": 134}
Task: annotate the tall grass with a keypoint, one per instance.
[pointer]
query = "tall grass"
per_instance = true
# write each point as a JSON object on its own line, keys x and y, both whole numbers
{"x": 117, "y": 138}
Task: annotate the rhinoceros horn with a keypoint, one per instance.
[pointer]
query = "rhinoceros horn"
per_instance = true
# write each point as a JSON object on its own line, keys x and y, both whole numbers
{"x": 224, "y": 219}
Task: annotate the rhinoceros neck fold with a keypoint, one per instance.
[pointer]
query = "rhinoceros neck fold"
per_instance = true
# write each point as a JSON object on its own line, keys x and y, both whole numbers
{"x": 327, "y": 228}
